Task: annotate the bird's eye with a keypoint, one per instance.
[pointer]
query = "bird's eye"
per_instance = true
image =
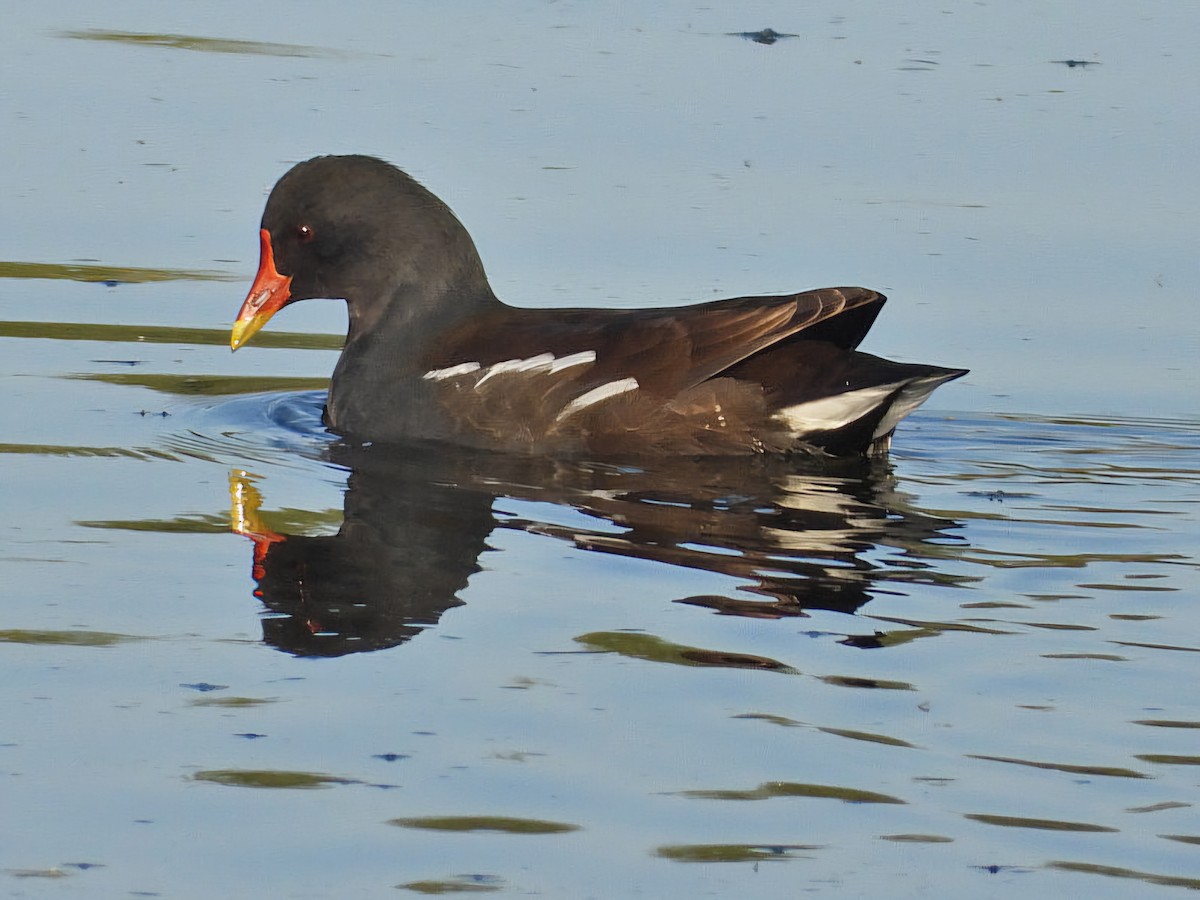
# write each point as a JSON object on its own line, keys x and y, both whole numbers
{"x": 305, "y": 233}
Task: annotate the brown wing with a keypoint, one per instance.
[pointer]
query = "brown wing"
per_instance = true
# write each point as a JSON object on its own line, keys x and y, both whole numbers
{"x": 666, "y": 350}
{"x": 726, "y": 333}
{"x": 670, "y": 350}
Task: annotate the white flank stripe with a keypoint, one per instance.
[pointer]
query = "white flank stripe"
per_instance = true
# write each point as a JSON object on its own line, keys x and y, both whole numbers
{"x": 451, "y": 372}
{"x": 597, "y": 395}
{"x": 575, "y": 359}
{"x": 542, "y": 361}
{"x": 834, "y": 412}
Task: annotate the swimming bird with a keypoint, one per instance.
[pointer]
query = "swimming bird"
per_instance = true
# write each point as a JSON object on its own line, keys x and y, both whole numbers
{"x": 432, "y": 354}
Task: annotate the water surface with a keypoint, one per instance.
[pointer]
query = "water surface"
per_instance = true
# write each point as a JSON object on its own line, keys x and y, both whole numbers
{"x": 242, "y": 659}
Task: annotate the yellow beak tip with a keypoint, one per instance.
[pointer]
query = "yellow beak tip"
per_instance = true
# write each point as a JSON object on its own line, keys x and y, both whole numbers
{"x": 244, "y": 329}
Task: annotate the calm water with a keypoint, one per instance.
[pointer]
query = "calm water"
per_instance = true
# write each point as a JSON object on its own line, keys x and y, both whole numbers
{"x": 241, "y": 659}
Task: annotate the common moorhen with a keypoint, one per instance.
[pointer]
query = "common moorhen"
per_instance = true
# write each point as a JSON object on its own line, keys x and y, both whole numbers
{"x": 432, "y": 354}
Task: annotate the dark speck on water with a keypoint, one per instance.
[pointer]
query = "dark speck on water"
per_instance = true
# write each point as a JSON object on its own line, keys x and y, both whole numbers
{"x": 1073, "y": 63}
{"x": 767, "y": 36}
{"x": 999, "y": 496}
{"x": 865, "y": 641}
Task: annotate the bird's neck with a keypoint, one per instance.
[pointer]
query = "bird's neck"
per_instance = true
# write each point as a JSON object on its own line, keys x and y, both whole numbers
{"x": 377, "y": 391}
{"x": 402, "y": 327}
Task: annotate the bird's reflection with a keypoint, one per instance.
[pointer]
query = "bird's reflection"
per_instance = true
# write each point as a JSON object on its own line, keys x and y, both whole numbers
{"x": 416, "y": 521}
